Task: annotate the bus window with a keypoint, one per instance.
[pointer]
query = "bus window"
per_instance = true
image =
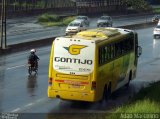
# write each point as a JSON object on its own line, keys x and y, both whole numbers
{"x": 100, "y": 56}
{"x": 105, "y": 47}
{"x": 109, "y": 52}
{"x": 112, "y": 51}
{"x": 117, "y": 49}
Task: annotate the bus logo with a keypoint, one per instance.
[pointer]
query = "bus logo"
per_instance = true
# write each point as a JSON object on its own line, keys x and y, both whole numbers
{"x": 74, "y": 49}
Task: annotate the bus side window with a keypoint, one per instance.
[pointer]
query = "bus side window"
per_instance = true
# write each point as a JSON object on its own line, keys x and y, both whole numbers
{"x": 125, "y": 46}
{"x": 132, "y": 43}
{"x": 106, "y": 50}
{"x": 109, "y": 52}
{"x": 129, "y": 44}
{"x": 117, "y": 49}
{"x": 103, "y": 54}
{"x": 112, "y": 53}
{"x": 99, "y": 56}
{"x": 106, "y": 53}
{"x": 113, "y": 50}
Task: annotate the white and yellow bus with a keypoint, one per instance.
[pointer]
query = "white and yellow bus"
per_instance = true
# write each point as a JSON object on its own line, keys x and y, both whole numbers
{"x": 92, "y": 64}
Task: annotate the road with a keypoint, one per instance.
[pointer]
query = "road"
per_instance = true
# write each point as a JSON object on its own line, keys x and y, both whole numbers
{"x": 22, "y": 93}
{"x": 27, "y": 29}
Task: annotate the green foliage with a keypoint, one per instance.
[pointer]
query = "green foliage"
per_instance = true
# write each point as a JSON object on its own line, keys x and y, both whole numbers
{"x": 67, "y": 20}
{"x": 146, "y": 101}
{"x": 40, "y": 4}
{"x": 138, "y": 5}
{"x": 16, "y": 3}
{"x": 48, "y": 24}
{"x": 54, "y": 20}
{"x": 156, "y": 10}
{"x": 48, "y": 18}
{"x": 24, "y": 4}
{"x": 141, "y": 107}
{"x": 151, "y": 93}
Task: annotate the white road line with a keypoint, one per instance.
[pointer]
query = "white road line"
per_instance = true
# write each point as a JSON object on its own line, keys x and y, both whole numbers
{"x": 16, "y": 110}
{"x": 15, "y": 67}
{"x": 40, "y": 100}
{"x": 30, "y": 104}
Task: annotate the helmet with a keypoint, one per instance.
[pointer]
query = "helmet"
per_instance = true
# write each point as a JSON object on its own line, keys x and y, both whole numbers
{"x": 32, "y": 50}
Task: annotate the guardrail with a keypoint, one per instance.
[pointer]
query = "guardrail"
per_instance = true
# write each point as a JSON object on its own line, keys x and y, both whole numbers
{"x": 48, "y": 41}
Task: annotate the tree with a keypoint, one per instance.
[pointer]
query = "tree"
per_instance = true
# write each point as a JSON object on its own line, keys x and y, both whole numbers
{"x": 138, "y": 5}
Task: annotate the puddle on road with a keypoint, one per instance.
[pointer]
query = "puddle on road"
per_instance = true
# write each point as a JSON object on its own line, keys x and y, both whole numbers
{"x": 32, "y": 85}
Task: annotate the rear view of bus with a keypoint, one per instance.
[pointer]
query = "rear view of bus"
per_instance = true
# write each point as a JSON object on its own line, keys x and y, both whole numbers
{"x": 71, "y": 69}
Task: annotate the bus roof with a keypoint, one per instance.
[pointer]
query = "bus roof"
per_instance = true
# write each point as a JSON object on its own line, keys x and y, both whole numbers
{"x": 101, "y": 33}
{"x": 98, "y": 34}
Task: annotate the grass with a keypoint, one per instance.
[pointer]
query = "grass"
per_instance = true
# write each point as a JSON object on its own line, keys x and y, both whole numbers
{"x": 156, "y": 10}
{"x": 54, "y": 20}
{"x": 144, "y": 103}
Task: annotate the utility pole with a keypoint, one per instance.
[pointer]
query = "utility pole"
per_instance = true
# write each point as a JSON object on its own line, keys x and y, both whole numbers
{"x": 3, "y": 25}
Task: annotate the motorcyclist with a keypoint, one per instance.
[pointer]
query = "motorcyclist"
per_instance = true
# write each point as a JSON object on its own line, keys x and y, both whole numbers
{"x": 33, "y": 58}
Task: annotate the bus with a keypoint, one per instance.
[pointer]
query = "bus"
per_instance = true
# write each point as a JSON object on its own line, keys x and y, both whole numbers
{"x": 92, "y": 64}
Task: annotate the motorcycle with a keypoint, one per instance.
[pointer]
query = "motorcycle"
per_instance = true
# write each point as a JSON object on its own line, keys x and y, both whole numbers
{"x": 32, "y": 67}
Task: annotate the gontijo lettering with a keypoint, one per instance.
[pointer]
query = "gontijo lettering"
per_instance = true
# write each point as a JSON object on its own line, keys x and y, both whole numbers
{"x": 73, "y": 60}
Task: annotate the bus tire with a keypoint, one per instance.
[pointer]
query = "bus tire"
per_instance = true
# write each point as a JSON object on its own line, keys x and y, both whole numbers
{"x": 130, "y": 78}
{"x": 104, "y": 95}
{"x": 107, "y": 92}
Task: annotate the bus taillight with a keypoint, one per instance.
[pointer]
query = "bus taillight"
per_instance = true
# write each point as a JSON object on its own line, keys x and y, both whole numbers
{"x": 93, "y": 85}
{"x": 50, "y": 81}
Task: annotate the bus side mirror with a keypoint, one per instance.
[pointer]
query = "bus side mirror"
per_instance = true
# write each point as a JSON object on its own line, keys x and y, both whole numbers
{"x": 139, "y": 51}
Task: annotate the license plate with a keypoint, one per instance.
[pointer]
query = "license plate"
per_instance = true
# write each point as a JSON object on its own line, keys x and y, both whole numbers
{"x": 75, "y": 86}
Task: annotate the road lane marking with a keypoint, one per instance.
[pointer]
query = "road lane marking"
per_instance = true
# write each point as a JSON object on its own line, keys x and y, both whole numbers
{"x": 40, "y": 100}
{"x": 18, "y": 66}
{"x": 28, "y": 105}
{"x": 15, "y": 110}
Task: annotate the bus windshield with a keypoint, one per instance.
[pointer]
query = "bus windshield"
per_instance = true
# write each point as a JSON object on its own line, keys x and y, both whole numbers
{"x": 75, "y": 56}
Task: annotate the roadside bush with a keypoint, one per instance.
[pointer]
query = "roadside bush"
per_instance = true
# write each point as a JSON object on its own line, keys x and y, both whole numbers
{"x": 54, "y": 20}
{"x": 48, "y": 18}
{"x": 147, "y": 100}
{"x": 141, "y": 108}
{"x": 49, "y": 24}
{"x": 67, "y": 20}
{"x": 156, "y": 10}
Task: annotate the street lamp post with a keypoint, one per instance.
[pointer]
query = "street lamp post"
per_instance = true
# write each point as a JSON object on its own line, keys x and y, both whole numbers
{"x": 3, "y": 25}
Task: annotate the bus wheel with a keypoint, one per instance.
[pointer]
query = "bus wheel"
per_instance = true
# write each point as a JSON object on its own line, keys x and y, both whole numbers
{"x": 104, "y": 97}
{"x": 107, "y": 92}
{"x": 130, "y": 77}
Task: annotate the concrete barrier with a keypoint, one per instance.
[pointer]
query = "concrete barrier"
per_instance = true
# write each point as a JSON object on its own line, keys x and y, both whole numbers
{"x": 26, "y": 46}
{"x": 48, "y": 41}
{"x": 139, "y": 26}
